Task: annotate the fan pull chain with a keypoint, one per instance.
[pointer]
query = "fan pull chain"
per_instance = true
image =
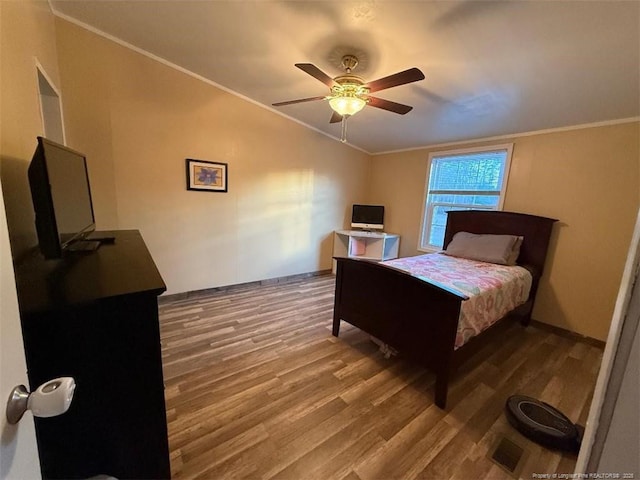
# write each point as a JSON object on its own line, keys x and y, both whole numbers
{"x": 343, "y": 135}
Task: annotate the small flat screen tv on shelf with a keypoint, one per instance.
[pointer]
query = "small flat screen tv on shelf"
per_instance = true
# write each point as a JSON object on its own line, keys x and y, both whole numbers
{"x": 368, "y": 217}
{"x": 61, "y": 197}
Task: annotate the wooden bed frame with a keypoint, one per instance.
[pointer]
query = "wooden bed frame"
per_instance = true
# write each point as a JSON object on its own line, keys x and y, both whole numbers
{"x": 420, "y": 319}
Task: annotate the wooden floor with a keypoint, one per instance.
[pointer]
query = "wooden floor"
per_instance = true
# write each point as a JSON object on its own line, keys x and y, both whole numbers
{"x": 257, "y": 387}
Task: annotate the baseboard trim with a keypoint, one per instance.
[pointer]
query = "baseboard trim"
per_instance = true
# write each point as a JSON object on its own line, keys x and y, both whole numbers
{"x": 568, "y": 334}
{"x": 172, "y": 297}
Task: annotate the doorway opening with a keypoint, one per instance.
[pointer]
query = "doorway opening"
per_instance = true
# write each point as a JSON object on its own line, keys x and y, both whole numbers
{"x": 50, "y": 107}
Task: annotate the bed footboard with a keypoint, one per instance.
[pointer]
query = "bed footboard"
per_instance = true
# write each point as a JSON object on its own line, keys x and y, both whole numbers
{"x": 417, "y": 318}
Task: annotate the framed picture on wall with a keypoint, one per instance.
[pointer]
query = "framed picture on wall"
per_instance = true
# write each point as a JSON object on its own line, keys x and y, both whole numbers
{"x": 206, "y": 176}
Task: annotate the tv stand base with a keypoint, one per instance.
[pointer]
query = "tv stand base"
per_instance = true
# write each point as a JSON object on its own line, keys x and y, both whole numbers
{"x": 84, "y": 246}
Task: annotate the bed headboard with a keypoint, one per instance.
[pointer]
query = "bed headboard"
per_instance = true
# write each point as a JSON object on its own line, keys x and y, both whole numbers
{"x": 535, "y": 230}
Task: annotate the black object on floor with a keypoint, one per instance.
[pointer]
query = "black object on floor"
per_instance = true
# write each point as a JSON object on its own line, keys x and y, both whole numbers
{"x": 543, "y": 423}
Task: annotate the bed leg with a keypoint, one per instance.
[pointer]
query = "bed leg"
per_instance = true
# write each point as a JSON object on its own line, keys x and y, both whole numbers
{"x": 525, "y": 317}
{"x": 336, "y": 326}
{"x": 442, "y": 385}
{"x": 525, "y": 320}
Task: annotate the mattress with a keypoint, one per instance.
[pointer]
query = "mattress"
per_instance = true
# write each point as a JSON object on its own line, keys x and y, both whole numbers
{"x": 492, "y": 290}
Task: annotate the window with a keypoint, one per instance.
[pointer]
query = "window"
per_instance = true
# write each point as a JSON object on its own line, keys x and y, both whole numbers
{"x": 473, "y": 179}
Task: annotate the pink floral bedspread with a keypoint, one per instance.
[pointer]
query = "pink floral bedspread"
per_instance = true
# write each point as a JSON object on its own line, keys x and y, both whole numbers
{"x": 493, "y": 290}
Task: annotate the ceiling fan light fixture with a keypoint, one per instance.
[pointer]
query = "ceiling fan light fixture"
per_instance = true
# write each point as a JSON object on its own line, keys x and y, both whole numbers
{"x": 350, "y": 93}
{"x": 347, "y": 105}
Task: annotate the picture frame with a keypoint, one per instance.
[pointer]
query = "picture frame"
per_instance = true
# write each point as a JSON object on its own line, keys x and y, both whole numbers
{"x": 206, "y": 176}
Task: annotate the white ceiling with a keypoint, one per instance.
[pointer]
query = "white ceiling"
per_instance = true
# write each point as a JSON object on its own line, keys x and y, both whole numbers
{"x": 492, "y": 68}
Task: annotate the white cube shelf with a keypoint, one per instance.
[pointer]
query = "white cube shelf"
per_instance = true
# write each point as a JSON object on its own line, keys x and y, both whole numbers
{"x": 365, "y": 245}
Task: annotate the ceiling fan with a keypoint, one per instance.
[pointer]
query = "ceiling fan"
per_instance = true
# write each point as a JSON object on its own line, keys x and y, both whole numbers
{"x": 350, "y": 93}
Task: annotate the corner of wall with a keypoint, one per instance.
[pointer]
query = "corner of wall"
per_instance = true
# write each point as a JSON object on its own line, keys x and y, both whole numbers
{"x": 27, "y": 33}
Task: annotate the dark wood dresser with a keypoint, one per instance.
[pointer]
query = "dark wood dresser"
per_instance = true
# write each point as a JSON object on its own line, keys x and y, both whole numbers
{"x": 94, "y": 316}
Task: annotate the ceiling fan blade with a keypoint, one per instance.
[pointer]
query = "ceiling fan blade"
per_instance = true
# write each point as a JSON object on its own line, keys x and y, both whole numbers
{"x": 401, "y": 78}
{"x": 300, "y": 100}
{"x": 316, "y": 73}
{"x": 389, "y": 105}
{"x": 335, "y": 118}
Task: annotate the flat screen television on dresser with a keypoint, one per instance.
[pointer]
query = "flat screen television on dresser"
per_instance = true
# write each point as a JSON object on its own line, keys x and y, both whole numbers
{"x": 367, "y": 217}
{"x": 61, "y": 195}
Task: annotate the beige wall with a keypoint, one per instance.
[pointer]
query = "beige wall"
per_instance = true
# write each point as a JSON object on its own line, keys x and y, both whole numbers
{"x": 88, "y": 125}
{"x": 27, "y": 35}
{"x": 289, "y": 187}
{"x": 586, "y": 178}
